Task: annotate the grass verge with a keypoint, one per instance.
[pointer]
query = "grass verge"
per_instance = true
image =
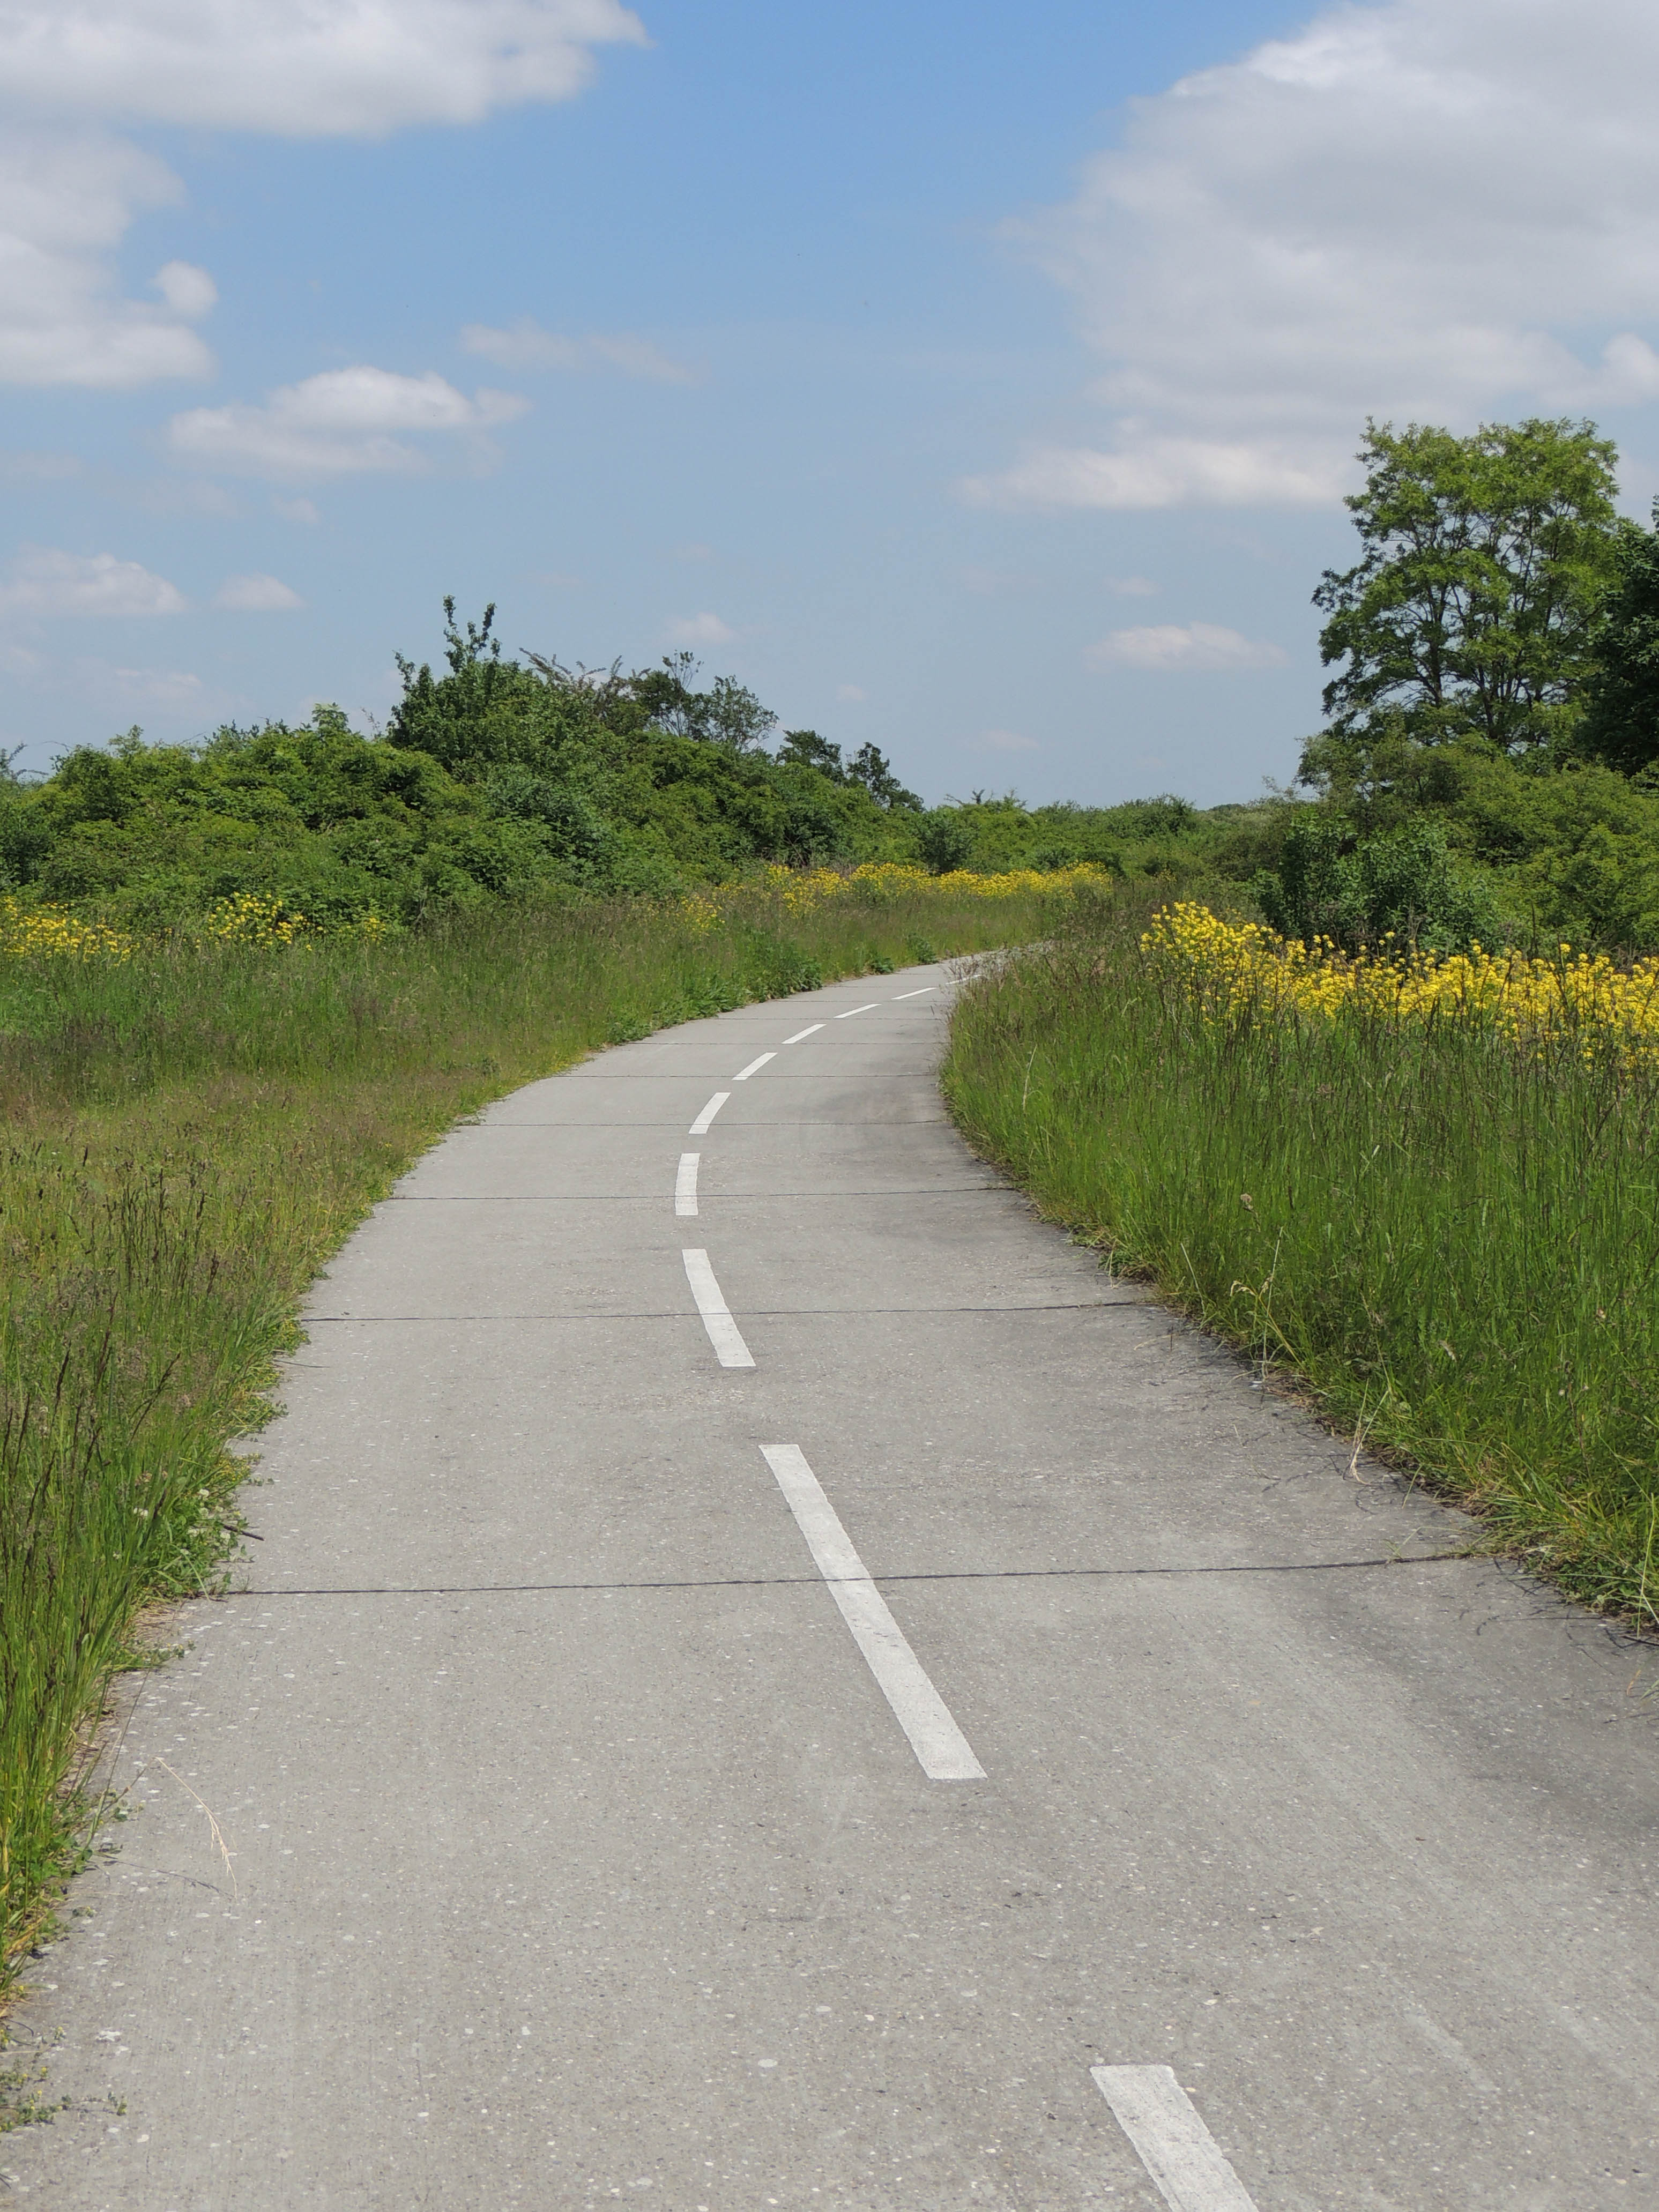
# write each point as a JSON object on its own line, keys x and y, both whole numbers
{"x": 189, "y": 1134}
{"x": 1451, "y": 1237}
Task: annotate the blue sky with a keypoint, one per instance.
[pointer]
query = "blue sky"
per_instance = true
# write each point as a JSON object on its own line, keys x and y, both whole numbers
{"x": 980, "y": 381}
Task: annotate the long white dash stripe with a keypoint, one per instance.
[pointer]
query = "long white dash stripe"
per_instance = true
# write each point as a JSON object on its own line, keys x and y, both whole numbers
{"x": 685, "y": 1186}
{"x": 921, "y": 993}
{"x": 851, "y": 1011}
{"x": 939, "y": 1743}
{"x": 753, "y": 1068}
{"x": 1172, "y": 2142}
{"x": 812, "y": 1030}
{"x": 700, "y": 1126}
{"x": 723, "y": 1334}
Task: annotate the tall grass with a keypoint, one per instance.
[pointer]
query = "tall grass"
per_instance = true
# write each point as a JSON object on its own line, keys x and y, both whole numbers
{"x": 1453, "y": 1237}
{"x": 188, "y": 1135}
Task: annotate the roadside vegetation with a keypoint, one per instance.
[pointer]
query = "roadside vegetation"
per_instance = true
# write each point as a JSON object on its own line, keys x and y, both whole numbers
{"x": 500, "y": 782}
{"x": 1369, "y": 1082}
{"x": 1440, "y": 1215}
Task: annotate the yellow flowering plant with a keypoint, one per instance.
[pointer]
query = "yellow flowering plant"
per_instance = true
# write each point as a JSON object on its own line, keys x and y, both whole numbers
{"x": 877, "y": 882}
{"x": 1241, "y": 969}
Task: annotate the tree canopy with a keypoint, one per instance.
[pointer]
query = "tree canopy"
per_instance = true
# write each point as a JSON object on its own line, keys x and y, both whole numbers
{"x": 1621, "y": 720}
{"x": 1473, "y": 611}
{"x": 501, "y": 778}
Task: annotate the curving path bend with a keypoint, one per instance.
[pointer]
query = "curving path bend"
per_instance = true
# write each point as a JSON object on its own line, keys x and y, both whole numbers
{"x": 770, "y": 1680}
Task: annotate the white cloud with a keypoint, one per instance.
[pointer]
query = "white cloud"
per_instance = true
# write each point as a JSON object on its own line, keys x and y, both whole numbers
{"x": 187, "y": 289}
{"x": 1132, "y": 587}
{"x": 256, "y": 595}
{"x": 700, "y": 630}
{"x": 298, "y": 68}
{"x": 43, "y": 582}
{"x": 1435, "y": 210}
{"x": 852, "y": 693}
{"x": 1168, "y": 648}
{"x": 524, "y": 345}
{"x": 1152, "y": 472}
{"x": 304, "y": 69}
{"x": 1005, "y": 741}
{"x": 294, "y": 510}
{"x": 67, "y": 202}
{"x": 345, "y": 422}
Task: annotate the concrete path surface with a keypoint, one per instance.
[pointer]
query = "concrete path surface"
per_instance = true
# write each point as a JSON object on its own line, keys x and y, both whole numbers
{"x": 770, "y": 1680}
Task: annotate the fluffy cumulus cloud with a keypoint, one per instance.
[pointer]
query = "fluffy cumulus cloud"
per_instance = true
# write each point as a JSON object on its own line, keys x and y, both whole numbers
{"x": 69, "y": 190}
{"x": 65, "y": 204}
{"x": 346, "y": 421}
{"x": 1167, "y": 648}
{"x": 1431, "y": 208}
{"x": 43, "y": 582}
{"x": 304, "y": 67}
{"x": 524, "y": 345}
{"x": 256, "y": 595}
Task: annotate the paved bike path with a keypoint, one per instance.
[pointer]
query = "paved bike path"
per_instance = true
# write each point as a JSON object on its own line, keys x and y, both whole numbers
{"x": 579, "y": 1840}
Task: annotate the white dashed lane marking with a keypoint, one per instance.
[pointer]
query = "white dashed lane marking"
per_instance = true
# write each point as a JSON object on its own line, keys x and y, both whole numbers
{"x": 921, "y": 993}
{"x": 1170, "y": 2140}
{"x": 851, "y": 1011}
{"x": 685, "y": 1186}
{"x": 700, "y": 1126}
{"x": 753, "y": 1068}
{"x": 939, "y": 1743}
{"x": 723, "y": 1333}
{"x": 812, "y": 1030}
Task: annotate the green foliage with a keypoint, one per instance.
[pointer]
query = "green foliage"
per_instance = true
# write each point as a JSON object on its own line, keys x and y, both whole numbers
{"x": 726, "y": 715}
{"x": 1621, "y": 721}
{"x": 871, "y": 767}
{"x": 1489, "y": 766}
{"x": 495, "y": 781}
{"x": 524, "y": 782}
{"x": 1471, "y": 613}
{"x": 1140, "y": 836}
{"x": 1404, "y": 884}
{"x": 944, "y": 839}
{"x": 1454, "y": 1242}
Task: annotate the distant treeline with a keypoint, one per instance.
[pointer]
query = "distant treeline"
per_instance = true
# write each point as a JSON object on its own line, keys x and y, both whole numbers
{"x": 1489, "y": 766}
{"x": 502, "y": 779}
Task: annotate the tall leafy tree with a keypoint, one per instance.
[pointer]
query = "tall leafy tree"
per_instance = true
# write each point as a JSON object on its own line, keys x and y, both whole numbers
{"x": 871, "y": 767}
{"x": 1472, "y": 610}
{"x": 806, "y": 749}
{"x": 1621, "y": 723}
{"x": 727, "y": 714}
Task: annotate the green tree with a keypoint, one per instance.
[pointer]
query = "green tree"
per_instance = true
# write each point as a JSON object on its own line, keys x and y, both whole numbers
{"x": 806, "y": 749}
{"x": 1472, "y": 610}
{"x": 871, "y": 767}
{"x": 1621, "y": 723}
{"x": 945, "y": 837}
{"x": 727, "y": 714}
{"x": 1405, "y": 886}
